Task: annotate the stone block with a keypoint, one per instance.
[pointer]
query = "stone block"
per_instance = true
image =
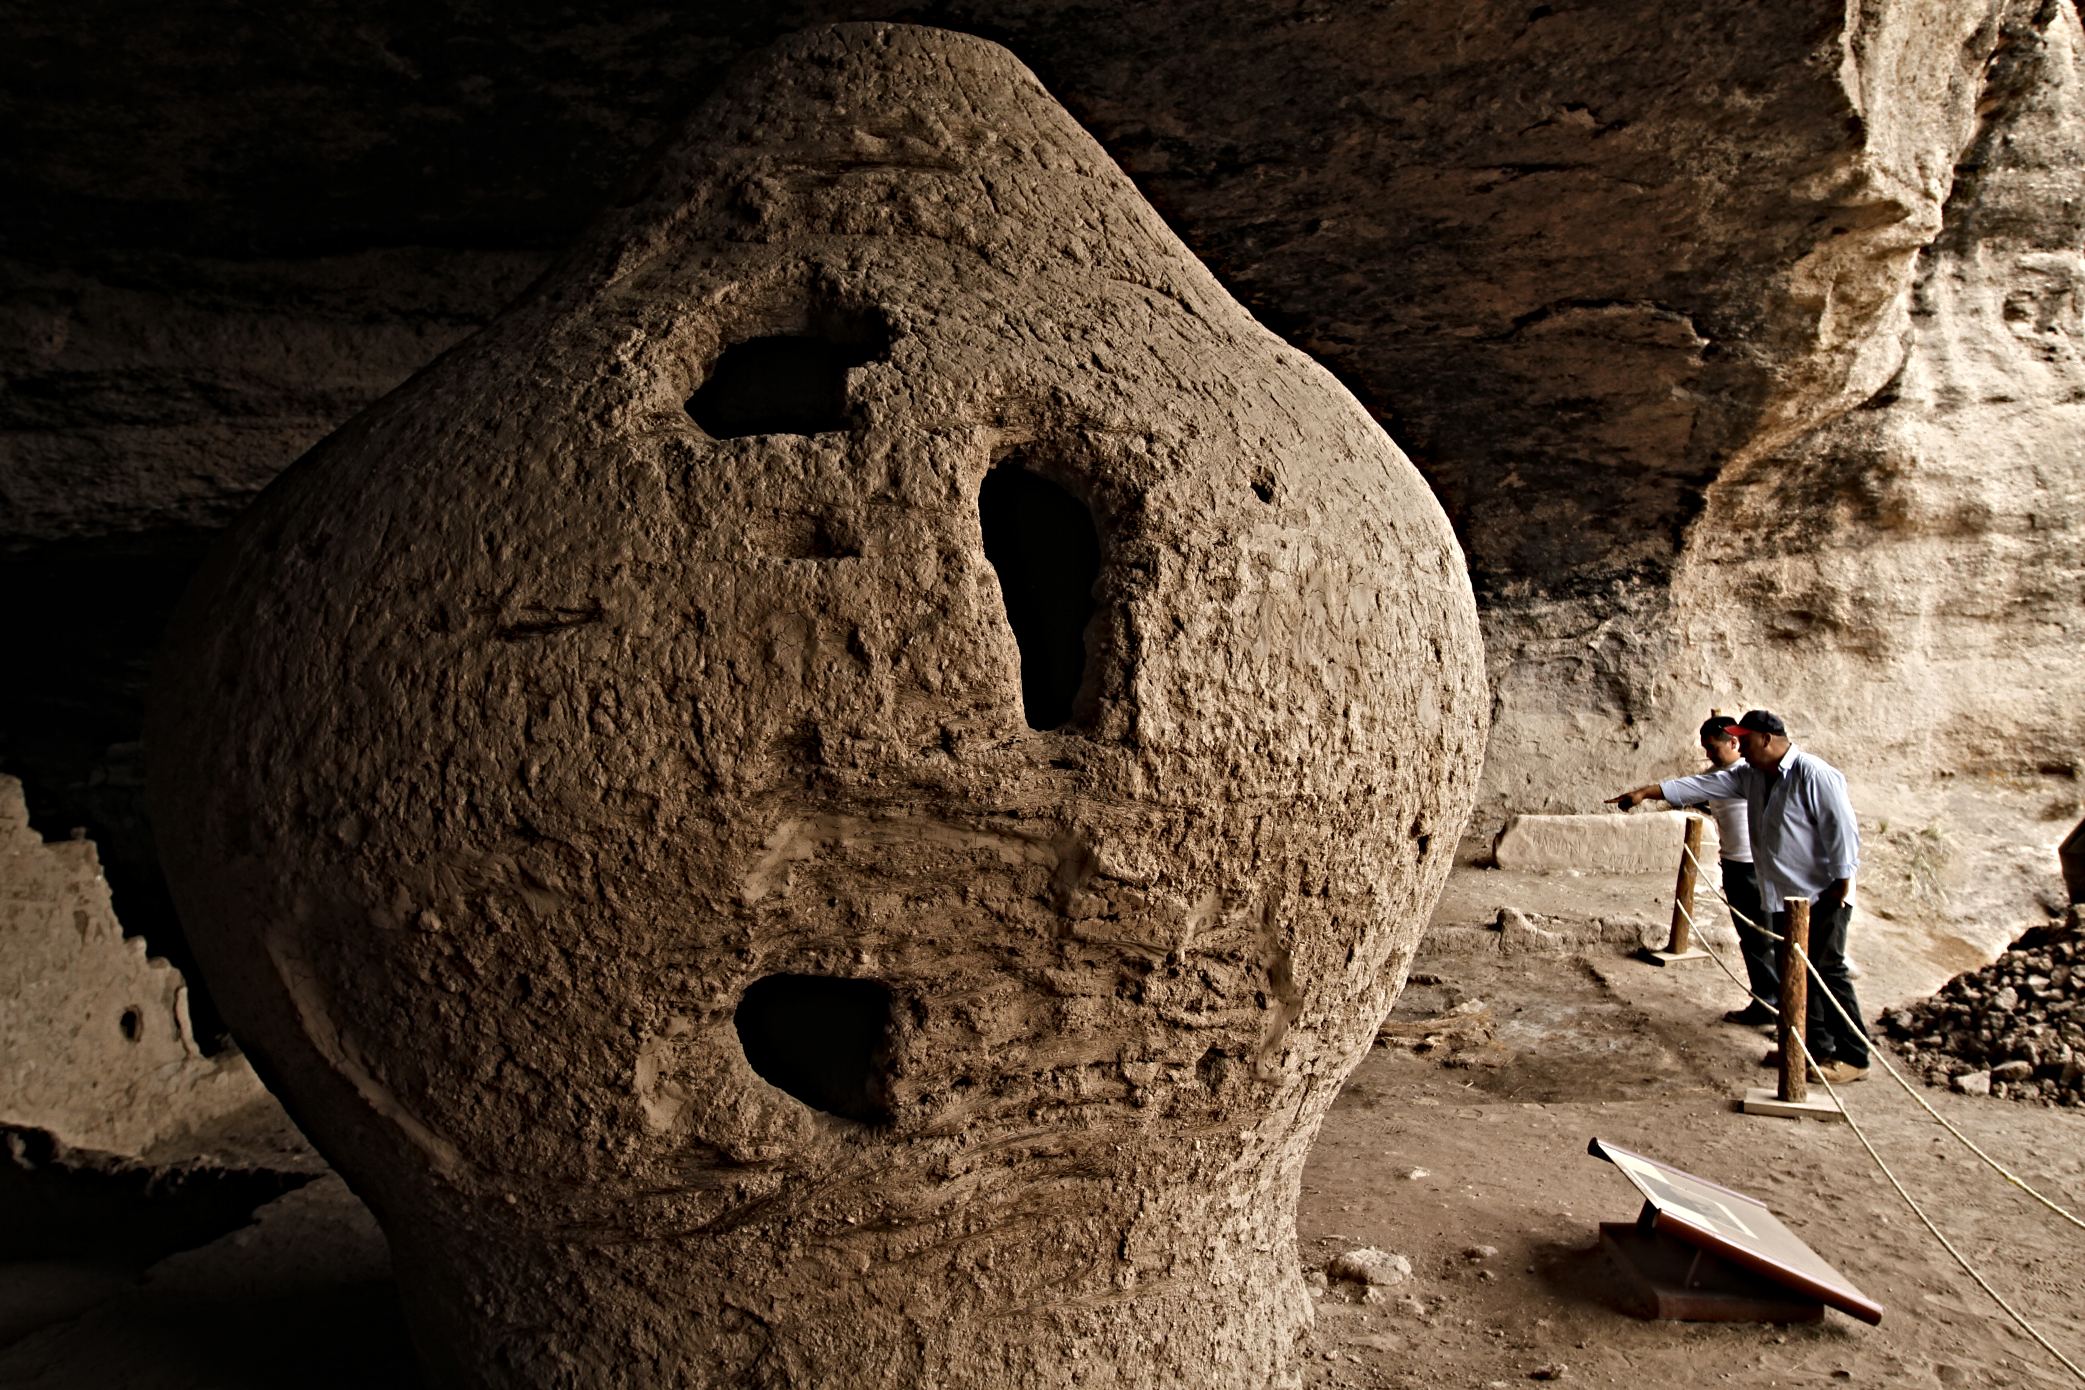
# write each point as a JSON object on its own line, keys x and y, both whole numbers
{"x": 1644, "y": 843}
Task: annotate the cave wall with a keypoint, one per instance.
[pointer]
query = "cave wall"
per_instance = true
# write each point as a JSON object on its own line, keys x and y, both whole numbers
{"x": 1925, "y": 602}
{"x": 1740, "y": 344}
{"x": 1888, "y": 552}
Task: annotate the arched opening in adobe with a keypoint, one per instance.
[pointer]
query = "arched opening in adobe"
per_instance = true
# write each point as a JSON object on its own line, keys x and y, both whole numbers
{"x": 787, "y": 383}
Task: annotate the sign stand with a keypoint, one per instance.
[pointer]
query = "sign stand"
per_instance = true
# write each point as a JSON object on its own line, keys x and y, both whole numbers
{"x": 1701, "y": 1252}
{"x": 1681, "y": 947}
{"x": 1667, "y": 1279}
{"x": 1793, "y": 1099}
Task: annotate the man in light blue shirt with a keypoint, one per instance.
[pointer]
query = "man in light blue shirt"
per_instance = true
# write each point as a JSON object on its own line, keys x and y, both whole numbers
{"x": 1805, "y": 844}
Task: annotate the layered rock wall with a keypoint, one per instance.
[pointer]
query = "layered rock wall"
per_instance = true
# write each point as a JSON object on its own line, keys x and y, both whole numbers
{"x": 1913, "y": 570}
{"x": 1889, "y": 552}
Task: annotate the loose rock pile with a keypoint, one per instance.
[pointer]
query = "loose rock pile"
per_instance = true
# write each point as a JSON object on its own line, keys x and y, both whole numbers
{"x": 2014, "y": 1029}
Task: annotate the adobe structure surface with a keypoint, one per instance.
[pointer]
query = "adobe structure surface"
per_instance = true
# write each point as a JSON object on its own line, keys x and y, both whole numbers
{"x": 831, "y": 798}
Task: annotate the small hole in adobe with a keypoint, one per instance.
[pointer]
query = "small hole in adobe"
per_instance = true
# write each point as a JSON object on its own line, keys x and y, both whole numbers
{"x": 823, "y": 1039}
{"x": 132, "y": 1023}
{"x": 787, "y": 383}
{"x": 1045, "y": 548}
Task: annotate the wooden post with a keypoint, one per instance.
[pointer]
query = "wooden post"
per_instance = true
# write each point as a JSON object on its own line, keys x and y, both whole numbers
{"x": 1793, "y": 1100}
{"x": 1795, "y": 998}
{"x": 1683, "y": 892}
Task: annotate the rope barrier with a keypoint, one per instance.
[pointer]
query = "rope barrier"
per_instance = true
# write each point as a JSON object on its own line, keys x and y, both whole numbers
{"x": 1896, "y": 1076}
{"x": 2018, "y": 1318}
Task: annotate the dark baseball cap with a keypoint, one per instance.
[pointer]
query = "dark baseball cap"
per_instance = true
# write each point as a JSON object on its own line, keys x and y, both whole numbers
{"x": 1761, "y": 721}
{"x": 1718, "y": 726}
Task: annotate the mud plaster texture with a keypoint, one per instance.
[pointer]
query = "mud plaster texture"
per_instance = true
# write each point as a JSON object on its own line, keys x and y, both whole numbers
{"x": 523, "y": 726}
{"x": 95, "y": 1041}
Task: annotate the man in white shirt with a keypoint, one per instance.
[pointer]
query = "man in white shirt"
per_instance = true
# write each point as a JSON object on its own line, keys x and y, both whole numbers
{"x": 1806, "y": 844}
{"x": 1740, "y": 882}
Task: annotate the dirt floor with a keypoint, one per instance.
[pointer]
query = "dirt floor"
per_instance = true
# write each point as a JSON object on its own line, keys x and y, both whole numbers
{"x": 1482, "y": 1144}
{"x": 1459, "y": 1143}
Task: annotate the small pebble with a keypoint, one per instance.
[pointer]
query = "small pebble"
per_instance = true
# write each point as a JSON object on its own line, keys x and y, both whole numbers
{"x": 1554, "y": 1370}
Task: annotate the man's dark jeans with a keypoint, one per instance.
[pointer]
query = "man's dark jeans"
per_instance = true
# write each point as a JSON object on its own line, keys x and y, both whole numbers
{"x": 1826, "y": 1034}
{"x": 1741, "y": 891}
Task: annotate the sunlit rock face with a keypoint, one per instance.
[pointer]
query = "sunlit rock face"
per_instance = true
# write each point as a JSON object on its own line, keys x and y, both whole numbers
{"x": 830, "y": 799}
{"x": 1924, "y": 592}
{"x": 1884, "y": 534}
{"x": 96, "y": 1047}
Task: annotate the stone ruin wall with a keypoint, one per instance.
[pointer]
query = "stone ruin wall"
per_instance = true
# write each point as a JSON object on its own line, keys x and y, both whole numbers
{"x": 96, "y": 1045}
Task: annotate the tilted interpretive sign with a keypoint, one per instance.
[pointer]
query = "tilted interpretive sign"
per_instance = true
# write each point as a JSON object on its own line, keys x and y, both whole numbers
{"x": 1724, "y": 1225}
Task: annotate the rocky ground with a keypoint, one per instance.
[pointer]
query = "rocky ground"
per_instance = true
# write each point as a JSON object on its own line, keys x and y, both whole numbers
{"x": 1453, "y": 1170}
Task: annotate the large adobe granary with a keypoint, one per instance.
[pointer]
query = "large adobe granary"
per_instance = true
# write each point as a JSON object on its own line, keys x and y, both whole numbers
{"x": 831, "y": 798}
{"x": 1713, "y": 332}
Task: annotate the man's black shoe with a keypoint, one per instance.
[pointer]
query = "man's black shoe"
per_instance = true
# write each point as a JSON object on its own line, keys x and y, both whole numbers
{"x": 1752, "y": 1015}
